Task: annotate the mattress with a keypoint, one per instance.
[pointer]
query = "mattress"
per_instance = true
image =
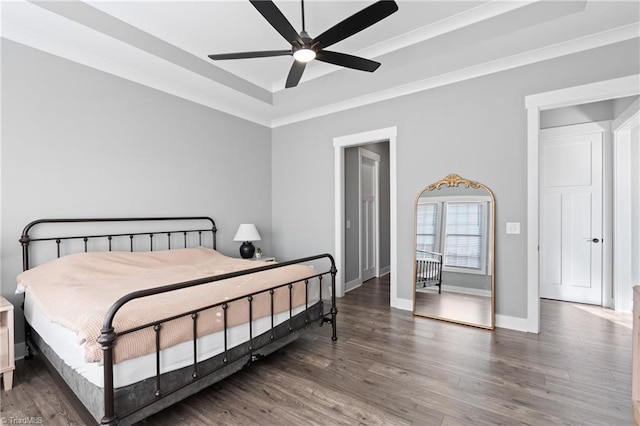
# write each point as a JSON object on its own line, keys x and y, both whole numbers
{"x": 64, "y": 342}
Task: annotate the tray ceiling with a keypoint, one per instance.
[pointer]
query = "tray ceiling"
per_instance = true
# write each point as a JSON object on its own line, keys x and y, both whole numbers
{"x": 164, "y": 44}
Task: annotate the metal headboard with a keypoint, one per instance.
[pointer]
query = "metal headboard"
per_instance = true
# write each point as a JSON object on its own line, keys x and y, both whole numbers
{"x": 26, "y": 240}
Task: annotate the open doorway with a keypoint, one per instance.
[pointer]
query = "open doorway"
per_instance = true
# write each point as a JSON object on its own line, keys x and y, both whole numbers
{"x": 367, "y": 211}
{"x": 577, "y": 189}
{"x": 340, "y": 144}
{"x": 536, "y": 104}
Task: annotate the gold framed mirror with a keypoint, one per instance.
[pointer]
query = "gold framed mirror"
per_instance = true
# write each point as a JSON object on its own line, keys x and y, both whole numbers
{"x": 454, "y": 240}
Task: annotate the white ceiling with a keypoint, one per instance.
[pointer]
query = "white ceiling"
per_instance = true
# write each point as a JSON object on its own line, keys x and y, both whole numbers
{"x": 164, "y": 44}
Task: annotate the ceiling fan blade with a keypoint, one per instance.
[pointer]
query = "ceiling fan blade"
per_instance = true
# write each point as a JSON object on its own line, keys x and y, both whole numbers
{"x": 295, "y": 74}
{"x": 244, "y": 55}
{"x": 357, "y": 22}
{"x": 272, "y": 14}
{"x": 349, "y": 61}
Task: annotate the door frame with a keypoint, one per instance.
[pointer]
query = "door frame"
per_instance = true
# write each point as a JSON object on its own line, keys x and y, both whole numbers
{"x": 599, "y": 91}
{"x": 340, "y": 143}
{"x": 621, "y": 127}
{"x": 365, "y": 153}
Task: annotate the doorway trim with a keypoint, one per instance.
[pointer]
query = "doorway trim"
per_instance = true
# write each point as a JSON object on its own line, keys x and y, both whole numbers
{"x": 621, "y": 127}
{"x": 340, "y": 143}
{"x": 599, "y": 91}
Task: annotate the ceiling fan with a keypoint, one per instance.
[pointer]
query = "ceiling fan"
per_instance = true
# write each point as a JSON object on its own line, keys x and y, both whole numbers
{"x": 304, "y": 48}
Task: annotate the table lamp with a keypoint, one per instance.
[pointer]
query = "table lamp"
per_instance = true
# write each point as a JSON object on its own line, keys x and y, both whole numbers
{"x": 247, "y": 233}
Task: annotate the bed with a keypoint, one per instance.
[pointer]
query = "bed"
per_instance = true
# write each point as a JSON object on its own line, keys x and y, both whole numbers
{"x": 428, "y": 269}
{"x": 136, "y": 314}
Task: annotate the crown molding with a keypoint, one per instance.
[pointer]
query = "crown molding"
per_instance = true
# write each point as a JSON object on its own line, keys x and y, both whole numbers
{"x": 53, "y": 34}
{"x": 581, "y": 44}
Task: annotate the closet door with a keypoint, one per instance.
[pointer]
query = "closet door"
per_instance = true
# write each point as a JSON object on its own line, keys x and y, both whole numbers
{"x": 571, "y": 217}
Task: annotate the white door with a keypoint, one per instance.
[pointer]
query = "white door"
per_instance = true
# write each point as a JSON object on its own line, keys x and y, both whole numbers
{"x": 571, "y": 216}
{"x": 369, "y": 162}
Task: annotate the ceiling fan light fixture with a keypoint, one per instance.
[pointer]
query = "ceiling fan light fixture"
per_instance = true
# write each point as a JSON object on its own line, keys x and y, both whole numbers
{"x": 304, "y": 55}
{"x": 305, "y": 49}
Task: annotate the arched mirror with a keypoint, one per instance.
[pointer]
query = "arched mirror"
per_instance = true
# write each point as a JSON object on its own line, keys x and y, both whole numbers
{"x": 454, "y": 252}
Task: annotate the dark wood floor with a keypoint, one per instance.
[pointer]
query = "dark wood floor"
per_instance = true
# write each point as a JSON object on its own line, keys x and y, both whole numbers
{"x": 389, "y": 367}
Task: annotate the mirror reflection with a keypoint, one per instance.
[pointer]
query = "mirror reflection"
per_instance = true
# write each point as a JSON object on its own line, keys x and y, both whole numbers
{"x": 454, "y": 241}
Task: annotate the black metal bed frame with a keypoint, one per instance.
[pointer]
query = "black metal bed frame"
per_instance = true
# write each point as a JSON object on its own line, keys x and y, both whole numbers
{"x": 210, "y": 369}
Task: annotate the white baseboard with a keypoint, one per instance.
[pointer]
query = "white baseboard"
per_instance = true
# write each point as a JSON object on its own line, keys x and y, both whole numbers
{"x": 353, "y": 284}
{"x": 404, "y": 304}
{"x": 385, "y": 271}
{"x": 502, "y": 321}
{"x": 512, "y": 323}
{"x": 466, "y": 290}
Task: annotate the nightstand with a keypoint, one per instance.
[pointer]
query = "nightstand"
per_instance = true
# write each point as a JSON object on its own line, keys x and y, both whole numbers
{"x": 264, "y": 258}
{"x": 7, "y": 362}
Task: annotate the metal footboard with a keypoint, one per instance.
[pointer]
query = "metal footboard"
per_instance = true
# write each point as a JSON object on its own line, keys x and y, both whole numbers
{"x": 109, "y": 336}
{"x": 201, "y": 373}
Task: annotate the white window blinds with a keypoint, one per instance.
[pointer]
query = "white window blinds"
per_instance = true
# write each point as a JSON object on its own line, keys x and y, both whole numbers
{"x": 464, "y": 234}
{"x": 427, "y": 225}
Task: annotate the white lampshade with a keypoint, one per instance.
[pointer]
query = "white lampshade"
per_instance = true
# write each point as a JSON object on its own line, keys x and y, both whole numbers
{"x": 247, "y": 232}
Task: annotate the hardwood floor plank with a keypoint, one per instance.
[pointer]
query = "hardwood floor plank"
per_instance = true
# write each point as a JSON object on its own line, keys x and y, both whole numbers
{"x": 527, "y": 404}
{"x": 329, "y": 402}
{"x": 473, "y": 400}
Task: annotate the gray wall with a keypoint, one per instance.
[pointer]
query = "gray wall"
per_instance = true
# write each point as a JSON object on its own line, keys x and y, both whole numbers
{"x": 576, "y": 114}
{"x": 470, "y": 281}
{"x": 352, "y": 241}
{"x": 621, "y": 104}
{"x": 585, "y": 113}
{"x": 79, "y": 142}
{"x": 475, "y": 128}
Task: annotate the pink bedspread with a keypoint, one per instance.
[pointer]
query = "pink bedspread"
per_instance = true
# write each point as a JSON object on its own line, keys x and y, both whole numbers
{"x": 76, "y": 291}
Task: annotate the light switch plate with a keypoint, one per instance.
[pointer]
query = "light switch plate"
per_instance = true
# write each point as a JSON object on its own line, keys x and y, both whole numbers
{"x": 513, "y": 227}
